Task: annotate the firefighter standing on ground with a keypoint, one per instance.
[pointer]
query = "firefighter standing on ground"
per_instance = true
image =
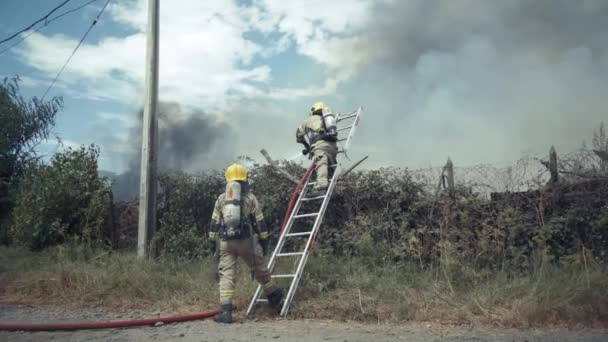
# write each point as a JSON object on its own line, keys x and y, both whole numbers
{"x": 238, "y": 221}
{"x": 320, "y": 130}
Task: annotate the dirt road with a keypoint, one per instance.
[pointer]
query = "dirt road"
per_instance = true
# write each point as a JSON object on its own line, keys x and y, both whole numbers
{"x": 266, "y": 330}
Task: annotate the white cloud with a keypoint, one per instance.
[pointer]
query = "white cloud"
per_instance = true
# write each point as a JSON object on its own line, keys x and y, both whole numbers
{"x": 202, "y": 54}
{"x": 324, "y": 31}
{"x": 205, "y": 58}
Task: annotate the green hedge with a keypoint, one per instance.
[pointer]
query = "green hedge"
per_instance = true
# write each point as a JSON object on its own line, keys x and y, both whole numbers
{"x": 386, "y": 216}
{"x": 64, "y": 200}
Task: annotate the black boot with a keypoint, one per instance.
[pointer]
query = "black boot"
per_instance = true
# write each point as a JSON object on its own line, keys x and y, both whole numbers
{"x": 225, "y": 316}
{"x": 275, "y": 299}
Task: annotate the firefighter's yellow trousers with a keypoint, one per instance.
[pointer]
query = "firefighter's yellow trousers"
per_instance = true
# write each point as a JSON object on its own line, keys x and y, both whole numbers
{"x": 323, "y": 154}
{"x": 230, "y": 250}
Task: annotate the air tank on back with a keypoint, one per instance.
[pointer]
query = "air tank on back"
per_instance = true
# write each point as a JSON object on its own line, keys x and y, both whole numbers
{"x": 232, "y": 209}
{"x": 330, "y": 121}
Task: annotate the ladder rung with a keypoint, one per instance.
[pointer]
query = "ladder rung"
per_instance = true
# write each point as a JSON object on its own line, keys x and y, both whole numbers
{"x": 298, "y": 234}
{"x": 261, "y": 300}
{"x": 312, "y": 183}
{"x": 344, "y": 128}
{"x": 282, "y": 276}
{"x": 312, "y": 198}
{"x": 340, "y": 140}
{"x": 346, "y": 117}
{"x": 290, "y": 254}
{"x": 306, "y": 215}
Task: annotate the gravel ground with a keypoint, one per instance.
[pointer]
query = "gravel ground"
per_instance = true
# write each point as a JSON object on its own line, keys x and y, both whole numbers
{"x": 264, "y": 330}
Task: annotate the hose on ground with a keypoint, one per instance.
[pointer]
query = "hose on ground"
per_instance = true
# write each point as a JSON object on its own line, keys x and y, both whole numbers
{"x": 103, "y": 325}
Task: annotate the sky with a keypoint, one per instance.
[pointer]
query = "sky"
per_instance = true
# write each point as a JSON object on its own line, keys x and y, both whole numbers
{"x": 479, "y": 81}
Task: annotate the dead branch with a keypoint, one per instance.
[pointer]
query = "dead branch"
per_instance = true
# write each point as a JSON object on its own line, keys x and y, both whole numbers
{"x": 347, "y": 171}
{"x": 276, "y": 167}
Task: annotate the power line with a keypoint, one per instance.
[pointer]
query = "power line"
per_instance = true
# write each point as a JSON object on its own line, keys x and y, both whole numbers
{"x": 76, "y": 48}
{"x": 70, "y": 11}
{"x": 46, "y": 23}
{"x": 36, "y": 22}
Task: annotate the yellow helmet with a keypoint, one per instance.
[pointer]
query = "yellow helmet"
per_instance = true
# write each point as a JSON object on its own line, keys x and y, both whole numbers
{"x": 317, "y": 107}
{"x": 236, "y": 172}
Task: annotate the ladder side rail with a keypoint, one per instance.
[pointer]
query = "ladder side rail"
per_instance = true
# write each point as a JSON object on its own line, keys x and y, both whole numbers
{"x": 256, "y": 296}
{"x": 352, "y": 131}
{"x": 280, "y": 243}
{"x": 289, "y": 224}
{"x": 317, "y": 224}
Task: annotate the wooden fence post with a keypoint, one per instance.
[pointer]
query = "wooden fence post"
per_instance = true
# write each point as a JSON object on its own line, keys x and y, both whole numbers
{"x": 553, "y": 166}
{"x": 449, "y": 166}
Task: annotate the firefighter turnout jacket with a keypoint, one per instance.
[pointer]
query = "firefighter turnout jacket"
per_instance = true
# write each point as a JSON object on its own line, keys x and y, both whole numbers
{"x": 252, "y": 216}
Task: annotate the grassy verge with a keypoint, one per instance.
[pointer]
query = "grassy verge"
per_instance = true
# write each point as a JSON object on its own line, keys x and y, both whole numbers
{"x": 347, "y": 288}
{"x": 565, "y": 295}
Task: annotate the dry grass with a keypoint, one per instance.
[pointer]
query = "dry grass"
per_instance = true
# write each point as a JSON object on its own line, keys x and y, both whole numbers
{"x": 552, "y": 295}
{"x": 346, "y": 288}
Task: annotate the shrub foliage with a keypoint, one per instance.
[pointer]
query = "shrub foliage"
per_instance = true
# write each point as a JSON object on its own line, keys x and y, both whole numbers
{"x": 386, "y": 216}
{"x": 63, "y": 200}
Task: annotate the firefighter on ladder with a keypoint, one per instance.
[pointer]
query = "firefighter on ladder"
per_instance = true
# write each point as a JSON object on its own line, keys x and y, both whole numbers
{"x": 238, "y": 222}
{"x": 320, "y": 131}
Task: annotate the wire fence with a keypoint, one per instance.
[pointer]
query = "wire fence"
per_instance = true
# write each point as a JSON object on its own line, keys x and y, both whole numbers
{"x": 526, "y": 174}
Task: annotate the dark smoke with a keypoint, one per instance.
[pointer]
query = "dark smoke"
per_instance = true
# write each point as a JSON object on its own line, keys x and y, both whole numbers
{"x": 411, "y": 29}
{"x": 481, "y": 81}
{"x": 188, "y": 141}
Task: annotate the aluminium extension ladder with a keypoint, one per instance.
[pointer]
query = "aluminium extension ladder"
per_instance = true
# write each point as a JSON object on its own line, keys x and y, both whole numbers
{"x": 345, "y": 122}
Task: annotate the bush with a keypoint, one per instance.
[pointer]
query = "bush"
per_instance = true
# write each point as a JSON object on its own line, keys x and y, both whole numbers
{"x": 384, "y": 216}
{"x": 185, "y": 208}
{"x": 25, "y": 124}
{"x": 61, "y": 201}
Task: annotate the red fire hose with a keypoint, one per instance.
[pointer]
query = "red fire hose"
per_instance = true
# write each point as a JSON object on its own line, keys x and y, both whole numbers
{"x": 104, "y": 325}
{"x": 294, "y": 196}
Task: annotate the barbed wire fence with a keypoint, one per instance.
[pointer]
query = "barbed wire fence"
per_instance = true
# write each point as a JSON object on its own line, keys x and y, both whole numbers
{"x": 529, "y": 173}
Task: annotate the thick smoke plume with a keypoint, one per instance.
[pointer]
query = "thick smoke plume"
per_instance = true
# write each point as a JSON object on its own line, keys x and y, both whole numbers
{"x": 188, "y": 141}
{"x": 481, "y": 81}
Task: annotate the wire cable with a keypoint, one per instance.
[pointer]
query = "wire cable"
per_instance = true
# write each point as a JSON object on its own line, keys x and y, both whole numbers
{"x": 70, "y": 11}
{"x": 34, "y": 24}
{"x": 76, "y": 48}
{"x": 46, "y": 23}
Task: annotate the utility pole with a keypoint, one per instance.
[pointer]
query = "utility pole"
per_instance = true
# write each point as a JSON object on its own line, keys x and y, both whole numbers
{"x": 149, "y": 138}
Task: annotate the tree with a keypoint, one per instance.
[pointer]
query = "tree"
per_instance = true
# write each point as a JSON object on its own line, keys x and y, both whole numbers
{"x": 25, "y": 124}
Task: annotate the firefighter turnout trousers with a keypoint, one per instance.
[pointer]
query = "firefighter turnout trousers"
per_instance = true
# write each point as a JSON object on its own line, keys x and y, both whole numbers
{"x": 230, "y": 250}
{"x": 323, "y": 154}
